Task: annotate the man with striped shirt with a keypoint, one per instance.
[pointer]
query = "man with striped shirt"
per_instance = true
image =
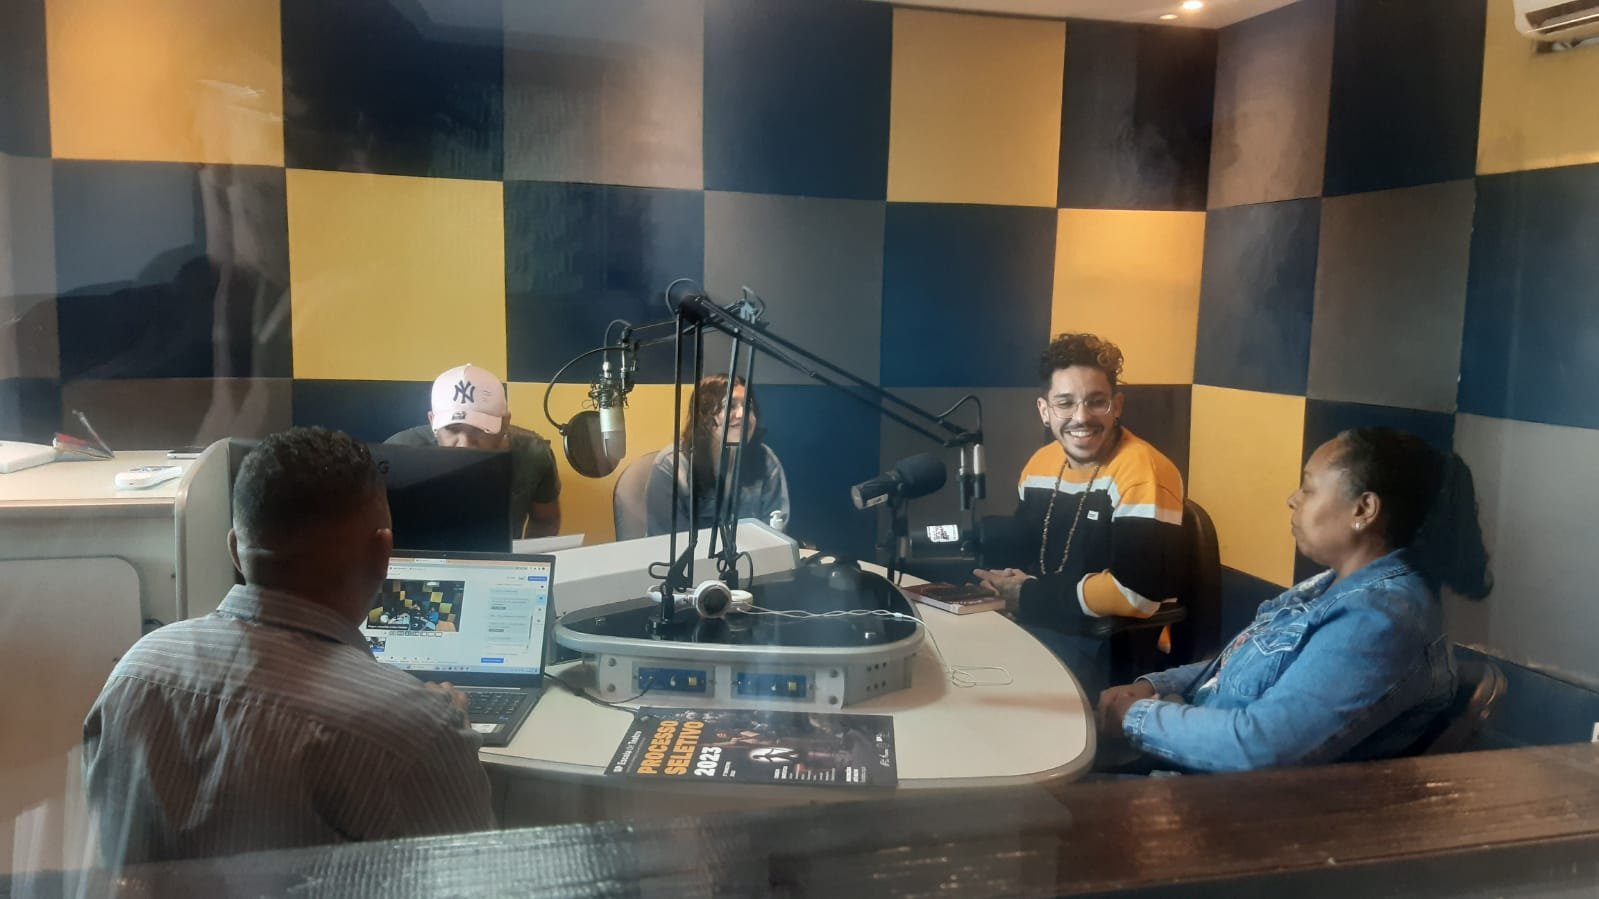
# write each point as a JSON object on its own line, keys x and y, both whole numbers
{"x": 268, "y": 724}
{"x": 1101, "y": 509}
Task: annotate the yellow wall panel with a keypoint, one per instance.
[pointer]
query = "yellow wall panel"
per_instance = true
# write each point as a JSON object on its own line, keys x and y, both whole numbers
{"x": 976, "y": 109}
{"x": 395, "y": 278}
{"x": 1538, "y": 111}
{"x": 586, "y": 502}
{"x": 166, "y": 80}
{"x": 1132, "y": 278}
{"x": 1244, "y": 461}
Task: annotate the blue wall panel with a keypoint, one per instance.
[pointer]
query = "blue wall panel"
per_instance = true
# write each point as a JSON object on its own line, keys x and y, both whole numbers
{"x": 1532, "y": 325}
{"x": 578, "y": 256}
{"x": 1257, "y": 296}
{"x": 143, "y": 282}
{"x": 797, "y": 97}
{"x": 1406, "y": 90}
{"x": 395, "y": 88}
{"x": 827, "y": 443}
{"x": 966, "y": 294}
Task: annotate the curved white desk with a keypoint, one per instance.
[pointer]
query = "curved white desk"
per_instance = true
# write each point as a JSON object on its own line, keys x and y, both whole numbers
{"x": 1035, "y": 729}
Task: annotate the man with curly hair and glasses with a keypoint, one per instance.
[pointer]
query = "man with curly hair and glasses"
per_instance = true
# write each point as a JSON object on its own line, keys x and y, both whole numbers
{"x": 1100, "y": 516}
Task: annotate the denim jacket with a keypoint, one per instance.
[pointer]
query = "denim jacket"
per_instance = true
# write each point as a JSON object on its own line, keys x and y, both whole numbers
{"x": 1326, "y": 672}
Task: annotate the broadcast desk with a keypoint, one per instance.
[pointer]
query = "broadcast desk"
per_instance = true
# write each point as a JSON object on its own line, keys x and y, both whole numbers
{"x": 1035, "y": 729}
{"x": 73, "y": 510}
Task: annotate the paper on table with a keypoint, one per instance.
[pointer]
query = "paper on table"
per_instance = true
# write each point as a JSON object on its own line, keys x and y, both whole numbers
{"x": 547, "y": 544}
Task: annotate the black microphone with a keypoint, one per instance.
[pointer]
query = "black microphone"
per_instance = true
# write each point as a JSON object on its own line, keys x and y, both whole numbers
{"x": 688, "y": 292}
{"x": 684, "y": 290}
{"x": 911, "y": 477}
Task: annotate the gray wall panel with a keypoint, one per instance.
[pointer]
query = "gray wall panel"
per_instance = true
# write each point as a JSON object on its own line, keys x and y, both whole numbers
{"x": 1273, "y": 85}
{"x": 167, "y": 413}
{"x": 605, "y": 91}
{"x": 1391, "y": 296}
{"x": 818, "y": 264}
{"x": 1537, "y": 513}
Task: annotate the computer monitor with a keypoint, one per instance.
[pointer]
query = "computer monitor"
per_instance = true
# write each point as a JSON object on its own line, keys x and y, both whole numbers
{"x": 447, "y": 498}
{"x": 440, "y": 498}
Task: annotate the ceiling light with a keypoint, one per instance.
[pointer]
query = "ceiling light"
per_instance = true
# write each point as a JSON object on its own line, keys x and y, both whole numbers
{"x": 1169, "y": 16}
{"x": 1193, "y": 5}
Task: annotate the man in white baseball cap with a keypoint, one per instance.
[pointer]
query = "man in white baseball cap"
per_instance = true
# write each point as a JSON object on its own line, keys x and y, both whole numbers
{"x": 470, "y": 410}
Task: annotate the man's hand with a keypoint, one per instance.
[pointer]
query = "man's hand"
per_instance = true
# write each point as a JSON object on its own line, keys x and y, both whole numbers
{"x": 1007, "y": 582}
{"x": 1114, "y": 703}
{"x": 456, "y": 697}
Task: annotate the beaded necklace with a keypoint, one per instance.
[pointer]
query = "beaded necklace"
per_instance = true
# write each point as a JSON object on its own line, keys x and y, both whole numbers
{"x": 1049, "y": 512}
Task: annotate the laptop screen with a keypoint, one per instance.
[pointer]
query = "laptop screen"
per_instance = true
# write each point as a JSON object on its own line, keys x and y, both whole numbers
{"x": 453, "y": 612}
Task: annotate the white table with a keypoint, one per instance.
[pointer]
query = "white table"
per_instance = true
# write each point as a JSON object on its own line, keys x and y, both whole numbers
{"x": 1036, "y": 729}
{"x": 73, "y": 510}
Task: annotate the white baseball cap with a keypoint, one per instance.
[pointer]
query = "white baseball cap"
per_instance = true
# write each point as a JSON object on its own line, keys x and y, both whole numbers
{"x": 469, "y": 395}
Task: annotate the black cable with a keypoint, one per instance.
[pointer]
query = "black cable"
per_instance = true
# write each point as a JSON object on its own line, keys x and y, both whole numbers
{"x": 610, "y": 704}
{"x": 562, "y": 370}
{"x": 666, "y": 295}
{"x": 968, "y": 398}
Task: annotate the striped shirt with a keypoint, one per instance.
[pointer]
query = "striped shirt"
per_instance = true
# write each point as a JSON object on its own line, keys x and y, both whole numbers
{"x": 1126, "y": 554}
{"x": 269, "y": 725}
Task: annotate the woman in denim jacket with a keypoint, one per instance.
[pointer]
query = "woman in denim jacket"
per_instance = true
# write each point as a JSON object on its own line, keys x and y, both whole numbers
{"x": 1351, "y": 664}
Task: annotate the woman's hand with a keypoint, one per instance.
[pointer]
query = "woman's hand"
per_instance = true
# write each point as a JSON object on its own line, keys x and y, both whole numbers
{"x": 1007, "y": 582}
{"x": 1114, "y": 703}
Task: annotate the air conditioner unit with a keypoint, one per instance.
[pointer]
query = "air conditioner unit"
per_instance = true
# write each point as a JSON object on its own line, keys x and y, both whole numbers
{"x": 1558, "y": 21}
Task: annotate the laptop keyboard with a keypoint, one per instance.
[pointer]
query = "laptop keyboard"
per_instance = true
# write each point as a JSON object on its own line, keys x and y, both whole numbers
{"x": 492, "y": 706}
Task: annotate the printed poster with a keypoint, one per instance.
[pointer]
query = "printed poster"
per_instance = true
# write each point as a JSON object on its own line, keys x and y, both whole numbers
{"x": 758, "y": 746}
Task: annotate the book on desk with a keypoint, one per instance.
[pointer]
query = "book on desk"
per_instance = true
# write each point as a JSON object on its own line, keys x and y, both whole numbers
{"x": 957, "y": 599}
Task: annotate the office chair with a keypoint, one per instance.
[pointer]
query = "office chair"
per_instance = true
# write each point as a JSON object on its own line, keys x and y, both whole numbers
{"x": 1194, "y": 617}
{"x": 1479, "y": 688}
{"x": 627, "y": 497}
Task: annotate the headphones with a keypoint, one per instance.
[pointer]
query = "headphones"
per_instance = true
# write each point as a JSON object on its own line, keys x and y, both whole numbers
{"x": 711, "y": 599}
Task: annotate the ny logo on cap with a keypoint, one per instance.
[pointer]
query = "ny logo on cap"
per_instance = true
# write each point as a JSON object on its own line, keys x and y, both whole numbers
{"x": 465, "y": 392}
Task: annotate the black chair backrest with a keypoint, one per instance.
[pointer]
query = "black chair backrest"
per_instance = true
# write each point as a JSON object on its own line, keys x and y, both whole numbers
{"x": 1479, "y": 687}
{"x": 1198, "y": 635}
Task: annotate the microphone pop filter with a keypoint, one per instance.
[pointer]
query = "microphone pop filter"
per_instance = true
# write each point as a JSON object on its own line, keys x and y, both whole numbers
{"x": 586, "y": 448}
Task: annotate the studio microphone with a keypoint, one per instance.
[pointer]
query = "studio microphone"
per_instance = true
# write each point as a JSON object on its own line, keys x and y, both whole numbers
{"x": 686, "y": 291}
{"x": 911, "y": 477}
{"x": 595, "y": 440}
{"x": 609, "y": 394}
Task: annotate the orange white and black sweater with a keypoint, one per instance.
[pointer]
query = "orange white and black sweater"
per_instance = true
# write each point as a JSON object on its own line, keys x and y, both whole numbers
{"x": 1127, "y": 554}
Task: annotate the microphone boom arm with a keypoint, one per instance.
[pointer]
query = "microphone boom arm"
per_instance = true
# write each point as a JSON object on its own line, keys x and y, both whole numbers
{"x": 693, "y": 315}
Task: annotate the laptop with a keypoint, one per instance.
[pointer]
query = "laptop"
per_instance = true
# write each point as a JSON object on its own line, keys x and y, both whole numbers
{"x": 481, "y": 621}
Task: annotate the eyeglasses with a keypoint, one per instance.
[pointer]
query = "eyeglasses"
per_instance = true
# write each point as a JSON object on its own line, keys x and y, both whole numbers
{"x": 1094, "y": 405}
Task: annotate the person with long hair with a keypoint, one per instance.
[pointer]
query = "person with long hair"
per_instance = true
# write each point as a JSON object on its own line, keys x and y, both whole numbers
{"x": 1351, "y": 664}
{"x": 762, "y": 487}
